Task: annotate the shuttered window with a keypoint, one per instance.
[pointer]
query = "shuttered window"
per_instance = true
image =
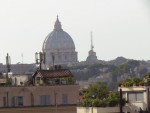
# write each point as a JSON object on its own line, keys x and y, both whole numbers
{"x": 45, "y": 100}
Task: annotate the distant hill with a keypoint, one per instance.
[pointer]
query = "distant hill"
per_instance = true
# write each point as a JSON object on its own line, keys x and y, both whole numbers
{"x": 110, "y": 72}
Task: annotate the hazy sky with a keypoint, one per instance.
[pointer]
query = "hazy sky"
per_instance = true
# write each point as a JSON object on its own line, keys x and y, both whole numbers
{"x": 120, "y": 27}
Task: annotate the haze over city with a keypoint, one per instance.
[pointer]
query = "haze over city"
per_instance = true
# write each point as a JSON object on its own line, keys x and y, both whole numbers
{"x": 120, "y": 27}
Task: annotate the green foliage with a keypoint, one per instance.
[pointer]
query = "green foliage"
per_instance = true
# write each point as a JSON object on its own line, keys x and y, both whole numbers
{"x": 97, "y": 95}
{"x": 113, "y": 94}
{"x": 97, "y": 102}
{"x": 136, "y": 81}
{"x": 147, "y": 75}
{"x": 121, "y": 69}
{"x": 131, "y": 82}
{"x": 113, "y": 99}
{"x": 147, "y": 79}
{"x": 94, "y": 102}
{"x": 99, "y": 90}
{"x": 126, "y": 68}
{"x": 86, "y": 103}
{"x": 141, "y": 83}
{"x": 70, "y": 80}
{"x": 128, "y": 84}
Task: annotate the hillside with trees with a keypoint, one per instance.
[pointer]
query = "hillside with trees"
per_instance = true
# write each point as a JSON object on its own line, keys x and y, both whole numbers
{"x": 110, "y": 72}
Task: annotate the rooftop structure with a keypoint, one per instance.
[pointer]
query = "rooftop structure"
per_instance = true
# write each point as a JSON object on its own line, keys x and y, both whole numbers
{"x": 92, "y": 58}
{"x": 55, "y": 76}
{"x": 137, "y": 99}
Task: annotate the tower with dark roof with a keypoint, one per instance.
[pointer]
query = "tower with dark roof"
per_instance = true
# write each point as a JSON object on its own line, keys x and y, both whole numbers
{"x": 92, "y": 58}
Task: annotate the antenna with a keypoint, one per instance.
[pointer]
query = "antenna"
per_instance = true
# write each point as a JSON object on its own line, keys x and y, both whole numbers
{"x": 92, "y": 41}
{"x": 39, "y": 58}
{"x": 8, "y": 63}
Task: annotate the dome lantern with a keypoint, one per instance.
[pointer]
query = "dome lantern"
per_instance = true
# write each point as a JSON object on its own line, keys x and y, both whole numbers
{"x": 57, "y": 25}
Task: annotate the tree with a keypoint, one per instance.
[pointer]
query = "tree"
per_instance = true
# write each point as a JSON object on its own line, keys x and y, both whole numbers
{"x": 147, "y": 79}
{"x": 113, "y": 99}
{"x": 70, "y": 80}
{"x": 98, "y": 95}
{"x": 99, "y": 90}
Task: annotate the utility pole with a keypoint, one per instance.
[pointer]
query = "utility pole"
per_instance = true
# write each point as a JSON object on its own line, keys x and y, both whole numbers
{"x": 8, "y": 63}
{"x": 120, "y": 93}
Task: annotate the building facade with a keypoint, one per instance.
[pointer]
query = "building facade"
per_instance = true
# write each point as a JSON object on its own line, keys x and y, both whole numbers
{"x": 38, "y": 96}
{"x": 46, "y": 90}
{"x": 137, "y": 99}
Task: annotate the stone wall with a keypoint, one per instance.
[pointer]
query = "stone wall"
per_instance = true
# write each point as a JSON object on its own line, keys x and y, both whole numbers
{"x": 98, "y": 110}
{"x": 60, "y": 109}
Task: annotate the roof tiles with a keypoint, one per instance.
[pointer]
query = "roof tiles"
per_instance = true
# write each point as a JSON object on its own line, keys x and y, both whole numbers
{"x": 54, "y": 73}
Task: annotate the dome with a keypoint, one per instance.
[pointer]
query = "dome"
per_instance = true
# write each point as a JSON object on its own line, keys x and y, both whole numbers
{"x": 59, "y": 47}
{"x": 58, "y": 40}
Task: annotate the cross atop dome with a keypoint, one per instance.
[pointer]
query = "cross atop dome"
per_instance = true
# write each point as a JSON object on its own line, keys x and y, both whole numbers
{"x": 57, "y": 18}
{"x": 57, "y": 25}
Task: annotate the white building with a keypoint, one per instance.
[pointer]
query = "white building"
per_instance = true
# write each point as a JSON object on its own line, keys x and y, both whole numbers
{"x": 19, "y": 80}
{"x": 137, "y": 97}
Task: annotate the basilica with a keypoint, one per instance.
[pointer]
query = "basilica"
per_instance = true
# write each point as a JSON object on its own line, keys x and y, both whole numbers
{"x": 59, "y": 48}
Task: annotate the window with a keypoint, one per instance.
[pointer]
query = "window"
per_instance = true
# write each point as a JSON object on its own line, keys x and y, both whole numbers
{"x": 18, "y": 101}
{"x": 132, "y": 97}
{"x": 64, "y": 99}
{"x": 140, "y": 97}
{"x": 38, "y": 80}
{"x": 135, "y": 96}
{"x": 4, "y": 101}
{"x": 44, "y": 100}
